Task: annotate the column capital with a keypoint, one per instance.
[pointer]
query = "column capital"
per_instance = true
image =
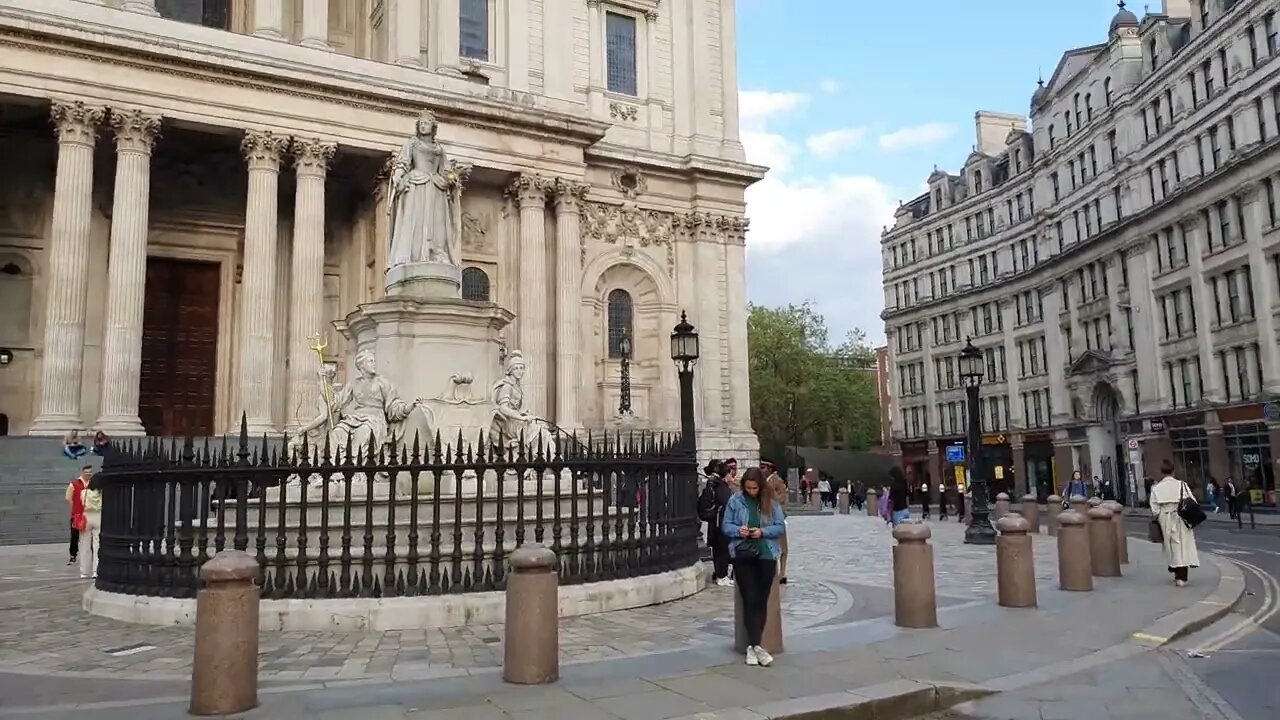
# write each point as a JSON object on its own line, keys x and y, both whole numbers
{"x": 569, "y": 194}
{"x": 530, "y": 189}
{"x": 311, "y": 156}
{"x": 76, "y": 122}
{"x": 263, "y": 148}
{"x": 135, "y": 130}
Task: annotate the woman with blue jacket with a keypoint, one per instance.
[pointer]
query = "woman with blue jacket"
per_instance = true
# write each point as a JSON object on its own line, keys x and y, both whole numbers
{"x": 753, "y": 522}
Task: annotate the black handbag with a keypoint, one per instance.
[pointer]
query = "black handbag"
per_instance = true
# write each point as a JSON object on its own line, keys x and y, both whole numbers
{"x": 1189, "y": 510}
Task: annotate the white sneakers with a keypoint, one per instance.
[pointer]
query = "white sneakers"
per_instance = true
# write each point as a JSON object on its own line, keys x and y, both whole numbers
{"x": 757, "y": 655}
{"x": 725, "y": 581}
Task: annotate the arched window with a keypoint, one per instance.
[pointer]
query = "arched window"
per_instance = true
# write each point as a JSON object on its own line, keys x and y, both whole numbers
{"x": 475, "y": 284}
{"x": 620, "y": 317}
{"x": 1106, "y": 88}
{"x": 1088, "y": 107}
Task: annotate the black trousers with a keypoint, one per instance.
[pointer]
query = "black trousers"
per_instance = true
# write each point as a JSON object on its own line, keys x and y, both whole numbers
{"x": 75, "y": 539}
{"x": 1179, "y": 573}
{"x": 719, "y": 552}
{"x": 755, "y": 582}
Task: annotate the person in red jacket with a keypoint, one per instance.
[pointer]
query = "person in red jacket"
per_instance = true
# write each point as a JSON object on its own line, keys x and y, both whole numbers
{"x": 75, "y": 503}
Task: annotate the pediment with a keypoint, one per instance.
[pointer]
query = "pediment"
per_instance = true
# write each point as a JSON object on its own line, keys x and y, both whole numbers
{"x": 1014, "y": 136}
{"x": 1091, "y": 362}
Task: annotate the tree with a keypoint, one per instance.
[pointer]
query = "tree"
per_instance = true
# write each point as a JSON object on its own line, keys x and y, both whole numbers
{"x": 804, "y": 389}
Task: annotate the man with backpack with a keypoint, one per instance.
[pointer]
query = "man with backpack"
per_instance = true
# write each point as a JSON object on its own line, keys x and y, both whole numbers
{"x": 711, "y": 505}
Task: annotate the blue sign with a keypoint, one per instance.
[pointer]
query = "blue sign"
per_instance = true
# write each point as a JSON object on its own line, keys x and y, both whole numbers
{"x": 955, "y": 454}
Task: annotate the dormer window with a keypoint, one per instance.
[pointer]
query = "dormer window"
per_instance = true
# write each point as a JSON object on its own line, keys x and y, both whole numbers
{"x": 1017, "y": 160}
{"x": 977, "y": 181}
{"x": 1151, "y": 49}
{"x": 937, "y": 198}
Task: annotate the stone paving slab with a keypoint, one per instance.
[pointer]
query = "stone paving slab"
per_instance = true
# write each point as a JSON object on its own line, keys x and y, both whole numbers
{"x": 655, "y": 647}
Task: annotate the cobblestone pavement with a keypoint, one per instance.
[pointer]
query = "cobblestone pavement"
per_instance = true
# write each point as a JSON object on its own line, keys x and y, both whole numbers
{"x": 836, "y": 575}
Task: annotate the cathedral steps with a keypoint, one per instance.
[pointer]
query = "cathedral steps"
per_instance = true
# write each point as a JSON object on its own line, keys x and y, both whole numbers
{"x": 33, "y": 479}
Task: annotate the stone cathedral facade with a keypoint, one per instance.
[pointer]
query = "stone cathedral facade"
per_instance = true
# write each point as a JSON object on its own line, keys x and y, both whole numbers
{"x": 195, "y": 190}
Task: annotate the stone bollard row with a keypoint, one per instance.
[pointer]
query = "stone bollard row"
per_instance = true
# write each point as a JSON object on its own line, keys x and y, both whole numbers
{"x": 1054, "y": 508}
{"x": 1122, "y": 537}
{"x": 915, "y": 600}
{"x": 1104, "y": 559}
{"x": 531, "y": 652}
{"x": 1015, "y": 563}
{"x": 1075, "y": 570}
{"x": 771, "y": 639}
{"x": 873, "y": 505}
{"x": 842, "y": 502}
{"x": 1030, "y": 510}
{"x": 1002, "y": 505}
{"x": 224, "y": 671}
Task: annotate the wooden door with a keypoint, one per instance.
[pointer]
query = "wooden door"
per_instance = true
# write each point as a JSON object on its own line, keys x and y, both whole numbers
{"x": 179, "y": 347}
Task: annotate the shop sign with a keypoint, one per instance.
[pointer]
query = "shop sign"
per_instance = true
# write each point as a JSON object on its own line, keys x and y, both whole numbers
{"x": 955, "y": 454}
{"x": 997, "y": 439}
{"x": 1251, "y": 460}
{"x": 1157, "y": 424}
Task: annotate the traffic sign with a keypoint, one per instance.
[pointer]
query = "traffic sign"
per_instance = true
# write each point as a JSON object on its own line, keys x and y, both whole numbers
{"x": 1133, "y": 443}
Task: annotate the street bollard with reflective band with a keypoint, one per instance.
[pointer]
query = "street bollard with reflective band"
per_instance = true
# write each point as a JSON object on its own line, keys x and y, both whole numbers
{"x": 873, "y": 505}
{"x": 915, "y": 599}
{"x": 1053, "y": 508}
{"x": 771, "y": 639}
{"x": 531, "y": 652}
{"x": 1002, "y": 505}
{"x": 1030, "y": 509}
{"x": 1015, "y": 564}
{"x": 1102, "y": 543}
{"x": 1122, "y": 537}
{"x": 842, "y": 498}
{"x": 224, "y": 672}
{"x": 1075, "y": 571}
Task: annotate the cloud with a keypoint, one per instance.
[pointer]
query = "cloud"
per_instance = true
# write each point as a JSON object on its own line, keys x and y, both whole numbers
{"x": 916, "y": 136}
{"x": 812, "y": 237}
{"x": 829, "y": 86}
{"x": 833, "y": 142}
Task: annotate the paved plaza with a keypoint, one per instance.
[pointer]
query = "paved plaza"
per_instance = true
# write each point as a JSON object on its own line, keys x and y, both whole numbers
{"x": 644, "y": 664}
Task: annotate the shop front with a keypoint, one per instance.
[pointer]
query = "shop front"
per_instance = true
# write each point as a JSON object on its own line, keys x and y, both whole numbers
{"x": 1037, "y": 448}
{"x": 1249, "y": 460}
{"x": 915, "y": 461}
{"x": 997, "y": 463}
{"x": 1190, "y": 446}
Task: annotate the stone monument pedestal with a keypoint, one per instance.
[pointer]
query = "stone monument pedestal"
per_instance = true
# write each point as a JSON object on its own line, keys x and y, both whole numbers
{"x": 446, "y": 351}
{"x": 425, "y": 280}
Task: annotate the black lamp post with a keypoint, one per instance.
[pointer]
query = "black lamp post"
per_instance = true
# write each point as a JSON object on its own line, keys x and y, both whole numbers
{"x": 684, "y": 351}
{"x": 979, "y": 531}
{"x": 624, "y": 396}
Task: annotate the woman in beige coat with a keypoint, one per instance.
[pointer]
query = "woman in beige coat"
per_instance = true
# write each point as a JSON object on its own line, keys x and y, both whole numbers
{"x": 1179, "y": 541}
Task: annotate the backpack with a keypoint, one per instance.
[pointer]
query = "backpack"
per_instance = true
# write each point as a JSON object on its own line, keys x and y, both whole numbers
{"x": 707, "y": 505}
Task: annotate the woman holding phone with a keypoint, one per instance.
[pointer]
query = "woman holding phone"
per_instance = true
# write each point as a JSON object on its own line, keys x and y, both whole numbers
{"x": 753, "y": 522}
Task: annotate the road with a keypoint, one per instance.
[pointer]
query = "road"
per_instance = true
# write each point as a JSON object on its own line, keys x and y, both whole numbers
{"x": 1243, "y": 649}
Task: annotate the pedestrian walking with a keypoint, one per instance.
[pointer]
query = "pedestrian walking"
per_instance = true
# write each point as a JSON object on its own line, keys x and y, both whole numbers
{"x": 1077, "y": 486}
{"x": 1229, "y": 495}
{"x": 90, "y": 541}
{"x": 899, "y": 498}
{"x": 1170, "y": 503}
{"x": 753, "y": 522}
{"x": 824, "y": 491}
{"x": 75, "y": 503}
{"x": 1211, "y": 495}
{"x": 711, "y": 504}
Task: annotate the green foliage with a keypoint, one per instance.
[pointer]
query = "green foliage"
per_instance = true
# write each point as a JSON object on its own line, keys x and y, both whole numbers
{"x": 803, "y": 390}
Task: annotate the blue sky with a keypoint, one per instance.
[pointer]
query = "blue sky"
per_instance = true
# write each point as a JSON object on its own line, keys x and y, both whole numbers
{"x": 852, "y": 103}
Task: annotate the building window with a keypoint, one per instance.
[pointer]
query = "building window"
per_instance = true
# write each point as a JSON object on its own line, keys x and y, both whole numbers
{"x": 473, "y": 29}
{"x": 620, "y": 36}
{"x": 209, "y": 13}
{"x": 475, "y": 284}
{"x": 1269, "y": 24}
{"x": 620, "y": 316}
{"x": 1106, "y": 88}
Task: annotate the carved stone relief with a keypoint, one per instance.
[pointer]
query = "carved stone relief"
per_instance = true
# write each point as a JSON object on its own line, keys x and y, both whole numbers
{"x": 629, "y": 181}
{"x": 482, "y": 210}
{"x": 630, "y": 227}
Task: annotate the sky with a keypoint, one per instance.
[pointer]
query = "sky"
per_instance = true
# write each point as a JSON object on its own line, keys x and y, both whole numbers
{"x": 852, "y": 103}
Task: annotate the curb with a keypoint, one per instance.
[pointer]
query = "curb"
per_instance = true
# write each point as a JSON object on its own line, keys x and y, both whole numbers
{"x": 1204, "y": 613}
{"x": 894, "y": 700}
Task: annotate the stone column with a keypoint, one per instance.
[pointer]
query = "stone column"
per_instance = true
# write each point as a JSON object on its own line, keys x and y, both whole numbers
{"x": 127, "y": 274}
{"x": 268, "y": 19}
{"x": 1201, "y": 296}
{"x": 306, "y": 292}
{"x": 1119, "y": 338}
{"x": 142, "y": 7}
{"x": 710, "y": 270}
{"x": 406, "y": 33}
{"x": 1255, "y": 219}
{"x": 569, "y": 196}
{"x": 68, "y": 255}
{"x": 262, "y": 150}
{"x": 1146, "y": 346}
{"x": 739, "y": 366}
{"x": 1055, "y": 355}
{"x": 447, "y": 36}
{"x": 531, "y": 193}
{"x": 315, "y": 24}
{"x": 1013, "y": 384}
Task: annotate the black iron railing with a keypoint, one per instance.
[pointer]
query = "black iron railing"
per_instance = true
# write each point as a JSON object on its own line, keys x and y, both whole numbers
{"x": 431, "y": 519}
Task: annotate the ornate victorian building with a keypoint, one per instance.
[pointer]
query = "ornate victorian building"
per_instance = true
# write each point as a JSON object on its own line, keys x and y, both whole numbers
{"x": 1116, "y": 261}
{"x": 195, "y": 190}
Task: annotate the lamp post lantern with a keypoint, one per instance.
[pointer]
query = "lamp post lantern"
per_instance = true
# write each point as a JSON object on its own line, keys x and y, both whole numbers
{"x": 684, "y": 352}
{"x": 980, "y": 530}
{"x": 624, "y": 395}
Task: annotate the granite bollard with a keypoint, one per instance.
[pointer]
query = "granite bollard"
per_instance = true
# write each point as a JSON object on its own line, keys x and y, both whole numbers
{"x": 224, "y": 672}
{"x": 915, "y": 599}
{"x": 531, "y": 647}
